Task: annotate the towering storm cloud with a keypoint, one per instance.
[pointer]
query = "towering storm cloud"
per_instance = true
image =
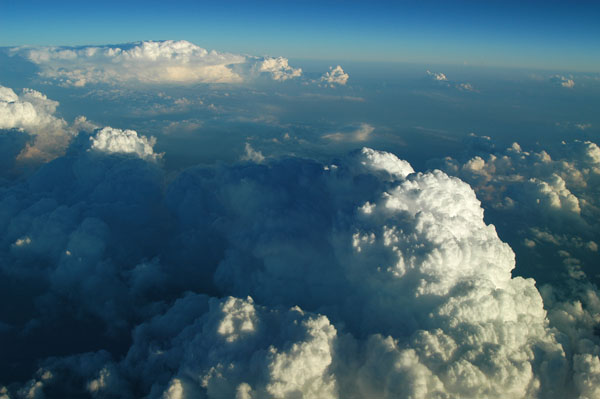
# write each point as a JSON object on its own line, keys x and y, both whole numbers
{"x": 290, "y": 278}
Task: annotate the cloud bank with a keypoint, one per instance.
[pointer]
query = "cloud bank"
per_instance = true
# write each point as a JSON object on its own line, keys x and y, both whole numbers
{"x": 150, "y": 62}
{"x": 286, "y": 279}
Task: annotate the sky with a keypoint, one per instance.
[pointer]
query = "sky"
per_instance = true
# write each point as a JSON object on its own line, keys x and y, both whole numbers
{"x": 548, "y": 35}
{"x": 318, "y": 201}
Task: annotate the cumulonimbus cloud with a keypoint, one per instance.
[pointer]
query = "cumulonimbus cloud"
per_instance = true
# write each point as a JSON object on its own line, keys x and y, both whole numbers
{"x": 291, "y": 278}
{"x": 150, "y": 62}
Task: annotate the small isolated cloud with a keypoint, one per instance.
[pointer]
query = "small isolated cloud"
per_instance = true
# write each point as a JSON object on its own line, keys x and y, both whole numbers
{"x": 279, "y": 69}
{"x": 252, "y": 155}
{"x": 437, "y": 76}
{"x": 110, "y": 140}
{"x": 357, "y": 134}
{"x": 174, "y": 62}
{"x": 33, "y": 113}
{"x": 335, "y": 76}
{"x": 465, "y": 87}
{"x": 563, "y": 81}
{"x": 583, "y": 126}
{"x": 442, "y": 80}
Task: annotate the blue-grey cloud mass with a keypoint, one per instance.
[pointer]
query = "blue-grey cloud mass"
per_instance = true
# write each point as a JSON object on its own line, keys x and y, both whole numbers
{"x": 227, "y": 226}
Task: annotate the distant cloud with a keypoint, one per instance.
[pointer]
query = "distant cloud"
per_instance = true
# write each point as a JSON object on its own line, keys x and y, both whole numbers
{"x": 110, "y": 140}
{"x": 465, "y": 86}
{"x": 443, "y": 80}
{"x": 279, "y": 69}
{"x": 563, "y": 81}
{"x": 358, "y": 134}
{"x": 437, "y": 76}
{"x": 583, "y": 126}
{"x": 250, "y": 154}
{"x": 178, "y": 62}
{"x": 335, "y": 76}
{"x": 150, "y": 62}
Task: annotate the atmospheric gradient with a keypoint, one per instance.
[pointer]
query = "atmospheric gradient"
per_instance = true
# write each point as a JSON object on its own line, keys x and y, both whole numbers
{"x": 285, "y": 200}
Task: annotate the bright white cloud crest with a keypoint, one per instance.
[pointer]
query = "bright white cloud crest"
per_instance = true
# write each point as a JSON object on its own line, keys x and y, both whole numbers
{"x": 279, "y": 68}
{"x": 110, "y": 140}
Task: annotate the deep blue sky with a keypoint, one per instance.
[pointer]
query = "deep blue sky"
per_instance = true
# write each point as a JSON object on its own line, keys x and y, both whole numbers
{"x": 552, "y": 35}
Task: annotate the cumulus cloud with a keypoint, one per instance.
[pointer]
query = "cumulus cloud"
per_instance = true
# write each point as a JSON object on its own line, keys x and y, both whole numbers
{"x": 358, "y": 134}
{"x": 546, "y": 205}
{"x": 279, "y": 68}
{"x": 285, "y": 279}
{"x": 563, "y": 81}
{"x": 250, "y": 154}
{"x": 175, "y": 62}
{"x": 110, "y": 140}
{"x": 437, "y": 76}
{"x": 33, "y": 113}
{"x": 442, "y": 80}
{"x": 335, "y": 76}
{"x": 465, "y": 87}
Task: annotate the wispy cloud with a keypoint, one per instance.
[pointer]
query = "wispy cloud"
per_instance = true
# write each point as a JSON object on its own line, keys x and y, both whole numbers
{"x": 361, "y": 133}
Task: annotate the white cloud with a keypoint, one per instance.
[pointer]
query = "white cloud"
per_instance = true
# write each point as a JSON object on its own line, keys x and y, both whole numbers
{"x": 279, "y": 68}
{"x": 583, "y": 126}
{"x": 437, "y": 76}
{"x": 335, "y": 76}
{"x": 110, "y": 140}
{"x": 361, "y": 133}
{"x": 369, "y": 280}
{"x": 465, "y": 87}
{"x": 563, "y": 81}
{"x": 174, "y": 62}
{"x": 250, "y": 154}
{"x": 32, "y": 112}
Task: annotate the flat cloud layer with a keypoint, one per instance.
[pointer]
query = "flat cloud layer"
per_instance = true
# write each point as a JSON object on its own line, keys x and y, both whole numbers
{"x": 285, "y": 279}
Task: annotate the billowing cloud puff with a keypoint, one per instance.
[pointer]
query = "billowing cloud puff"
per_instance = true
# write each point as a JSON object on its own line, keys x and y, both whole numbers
{"x": 335, "y": 76}
{"x": 175, "y": 62}
{"x": 279, "y": 68}
{"x": 32, "y": 112}
{"x": 127, "y": 141}
{"x": 358, "y": 134}
{"x": 546, "y": 205}
{"x": 437, "y": 76}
